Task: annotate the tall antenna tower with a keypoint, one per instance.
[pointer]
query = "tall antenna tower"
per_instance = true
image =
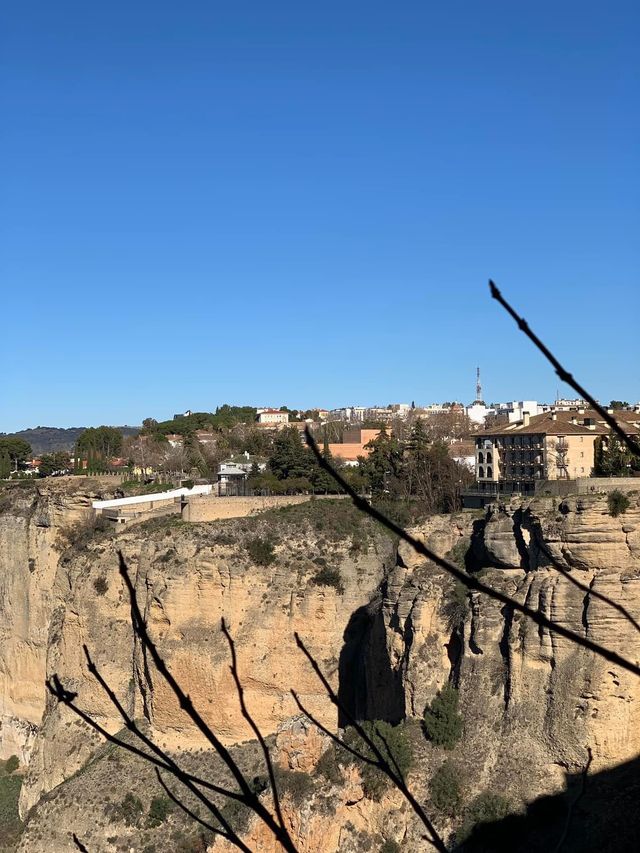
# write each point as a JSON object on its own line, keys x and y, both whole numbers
{"x": 478, "y": 386}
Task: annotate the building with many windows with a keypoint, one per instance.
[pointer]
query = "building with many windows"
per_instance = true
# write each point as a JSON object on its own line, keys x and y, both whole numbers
{"x": 557, "y": 445}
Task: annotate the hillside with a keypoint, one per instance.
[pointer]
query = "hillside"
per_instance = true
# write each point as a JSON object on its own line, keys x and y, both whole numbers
{"x": 50, "y": 439}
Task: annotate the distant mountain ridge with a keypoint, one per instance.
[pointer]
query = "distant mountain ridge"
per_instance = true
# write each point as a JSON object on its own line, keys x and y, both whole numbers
{"x": 50, "y": 439}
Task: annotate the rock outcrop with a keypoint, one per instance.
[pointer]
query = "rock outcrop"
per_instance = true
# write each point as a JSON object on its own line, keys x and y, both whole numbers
{"x": 388, "y": 628}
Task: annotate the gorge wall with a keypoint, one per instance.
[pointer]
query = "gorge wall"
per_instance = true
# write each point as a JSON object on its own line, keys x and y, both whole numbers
{"x": 387, "y": 627}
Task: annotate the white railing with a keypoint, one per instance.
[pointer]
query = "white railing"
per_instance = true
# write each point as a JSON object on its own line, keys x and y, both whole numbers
{"x": 156, "y": 496}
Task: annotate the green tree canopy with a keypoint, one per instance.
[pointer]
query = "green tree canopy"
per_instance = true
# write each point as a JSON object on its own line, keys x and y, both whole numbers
{"x": 100, "y": 443}
{"x": 16, "y": 449}
{"x": 612, "y": 458}
{"x": 290, "y": 459}
{"x": 5, "y": 465}
{"x": 50, "y": 463}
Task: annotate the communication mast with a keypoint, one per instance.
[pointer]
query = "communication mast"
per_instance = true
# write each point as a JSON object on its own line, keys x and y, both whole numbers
{"x": 478, "y": 387}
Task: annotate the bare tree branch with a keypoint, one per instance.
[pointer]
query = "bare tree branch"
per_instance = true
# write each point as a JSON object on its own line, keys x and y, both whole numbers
{"x": 381, "y": 762}
{"x": 334, "y": 737}
{"x": 79, "y": 844}
{"x": 247, "y": 716}
{"x": 66, "y": 697}
{"x": 592, "y": 592}
{"x": 251, "y": 799}
{"x": 166, "y": 761}
{"x": 630, "y": 442}
{"x": 185, "y": 808}
{"x": 469, "y": 581}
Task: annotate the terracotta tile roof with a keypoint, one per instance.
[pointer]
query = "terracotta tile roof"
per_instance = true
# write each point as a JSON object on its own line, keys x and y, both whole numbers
{"x": 545, "y": 424}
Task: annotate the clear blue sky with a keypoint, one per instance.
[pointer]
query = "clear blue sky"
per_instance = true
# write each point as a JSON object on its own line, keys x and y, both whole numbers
{"x": 301, "y": 203}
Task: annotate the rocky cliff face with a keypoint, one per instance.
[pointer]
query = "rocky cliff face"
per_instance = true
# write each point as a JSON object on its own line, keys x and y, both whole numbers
{"x": 187, "y": 578}
{"x": 387, "y": 627}
{"x": 34, "y": 521}
{"x": 529, "y": 697}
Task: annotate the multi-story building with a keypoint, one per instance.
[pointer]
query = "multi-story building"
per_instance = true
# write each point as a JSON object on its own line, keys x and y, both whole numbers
{"x": 558, "y": 445}
{"x": 272, "y": 416}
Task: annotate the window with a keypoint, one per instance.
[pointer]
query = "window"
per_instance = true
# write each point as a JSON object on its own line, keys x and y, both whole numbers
{"x": 481, "y": 457}
{"x": 489, "y": 472}
{"x": 481, "y": 473}
{"x": 489, "y": 459}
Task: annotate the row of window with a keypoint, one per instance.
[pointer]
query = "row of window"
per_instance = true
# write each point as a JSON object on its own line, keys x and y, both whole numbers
{"x": 481, "y": 472}
{"x": 481, "y": 459}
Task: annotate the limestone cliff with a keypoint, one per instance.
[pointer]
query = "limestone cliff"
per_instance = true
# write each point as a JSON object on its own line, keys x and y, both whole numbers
{"x": 529, "y": 697}
{"x": 35, "y": 520}
{"x": 187, "y": 578}
{"x": 387, "y": 627}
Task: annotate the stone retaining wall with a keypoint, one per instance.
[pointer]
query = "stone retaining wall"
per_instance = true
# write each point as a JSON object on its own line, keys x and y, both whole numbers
{"x": 209, "y": 508}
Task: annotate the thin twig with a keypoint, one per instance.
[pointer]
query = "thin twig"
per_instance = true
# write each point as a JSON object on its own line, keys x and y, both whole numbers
{"x": 79, "y": 844}
{"x": 66, "y": 697}
{"x": 184, "y": 807}
{"x": 135, "y": 729}
{"x": 187, "y": 705}
{"x": 469, "y": 581}
{"x": 592, "y": 592}
{"x": 630, "y": 442}
{"x": 334, "y": 737}
{"x": 247, "y": 716}
{"x": 381, "y": 762}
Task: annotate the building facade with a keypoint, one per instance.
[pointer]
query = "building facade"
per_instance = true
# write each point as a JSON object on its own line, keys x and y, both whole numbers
{"x": 272, "y": 416}
{"x": 551, "y": 446}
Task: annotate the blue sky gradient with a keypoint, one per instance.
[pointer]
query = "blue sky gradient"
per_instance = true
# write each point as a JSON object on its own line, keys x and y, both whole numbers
{"x": 299, "y": 203}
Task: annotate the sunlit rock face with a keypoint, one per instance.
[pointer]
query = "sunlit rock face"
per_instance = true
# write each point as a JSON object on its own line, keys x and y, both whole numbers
{"x": 389, "y": 630}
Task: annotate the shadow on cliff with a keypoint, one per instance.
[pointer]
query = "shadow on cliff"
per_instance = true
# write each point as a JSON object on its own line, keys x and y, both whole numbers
{"x": 605, "y": 818}
{"x": 369, "y": 688}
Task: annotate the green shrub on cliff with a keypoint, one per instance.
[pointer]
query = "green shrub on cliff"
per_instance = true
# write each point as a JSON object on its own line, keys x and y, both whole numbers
{"x": 328, "y": 576}
{"x": 11, "y": 764}
{"x": 393, "y": 742}
{"x": 445, "y": 788}
{"x": 485, "y": 808}
{"x": 442, "y": 723}
{"x": 618, "y": 503}
{"x": 261, "y": 551}
{"x": 10, "y": 784}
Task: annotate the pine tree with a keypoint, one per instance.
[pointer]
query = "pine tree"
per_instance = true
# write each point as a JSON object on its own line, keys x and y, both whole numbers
{"x": 5, "y": 465}
{"x": 442, "y": 723}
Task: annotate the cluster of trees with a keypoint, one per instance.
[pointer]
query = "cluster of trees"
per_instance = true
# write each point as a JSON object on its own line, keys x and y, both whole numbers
{"x": 54, "y": 463}
{"x": 292, "y": 467}
{"x": 13, "y": 453}
{"x": 98, "y": 445}
{"x": 224, "y": 417}
{"x": 612, "y": 458}
{"x": 417, "y": 467}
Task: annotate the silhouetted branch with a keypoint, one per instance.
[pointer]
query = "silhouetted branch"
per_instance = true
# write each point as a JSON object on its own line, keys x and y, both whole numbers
{"x": 166, "y": 761}
{"x": 631, "y": 443}
{"x": 469, "y": 581}
{"x": 54, "y": 687}
{"x": 247, "y": 716}
{"x": 334, "y": 737}
{"x": 250, "y": 797}
{"x": 592, "y": 592}
{"x": 381, "y": 762}
{"x": 66, "y": 697}
{"x": 183, "y": 806}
